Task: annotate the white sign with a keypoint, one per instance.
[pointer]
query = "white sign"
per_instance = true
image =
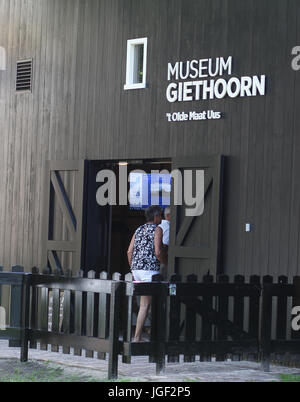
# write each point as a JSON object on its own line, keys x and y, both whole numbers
{"x": 2, "y": 58}
{"x": 296, "y": 320}
{"x": 2, "y": 319}
{"x": 204, "y": 81}
{"x": 194, "y": 116}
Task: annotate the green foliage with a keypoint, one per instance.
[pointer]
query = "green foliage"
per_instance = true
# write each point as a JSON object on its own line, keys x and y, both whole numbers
{"x": 40, "y": 372}
{"x": 289, "y": 378}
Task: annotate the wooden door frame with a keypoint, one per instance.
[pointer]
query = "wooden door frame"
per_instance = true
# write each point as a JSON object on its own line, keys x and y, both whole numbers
{"x": 74, "y": 220}
{"x": 177, "y": 235}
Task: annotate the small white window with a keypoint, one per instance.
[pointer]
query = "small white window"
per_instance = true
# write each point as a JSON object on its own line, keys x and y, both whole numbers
{"x": 2, "y": 58}
{"x": 136, "y": 64}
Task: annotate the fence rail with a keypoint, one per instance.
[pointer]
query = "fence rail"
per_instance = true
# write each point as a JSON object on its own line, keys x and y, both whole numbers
{"x": 195, "y": 319}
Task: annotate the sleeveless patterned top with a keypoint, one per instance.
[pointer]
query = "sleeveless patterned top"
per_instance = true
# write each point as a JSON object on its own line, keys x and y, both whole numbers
{"x": 143, "y": 257}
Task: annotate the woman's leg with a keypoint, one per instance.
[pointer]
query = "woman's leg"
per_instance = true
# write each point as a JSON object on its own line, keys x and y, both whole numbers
{"x": 141, "y": 318}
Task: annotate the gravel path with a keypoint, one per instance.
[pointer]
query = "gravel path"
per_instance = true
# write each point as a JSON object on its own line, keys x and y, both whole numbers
{"x": 141, "y": 370}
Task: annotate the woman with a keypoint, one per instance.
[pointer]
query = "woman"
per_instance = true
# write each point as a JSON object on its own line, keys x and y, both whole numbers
{"x": 144, "y": 256}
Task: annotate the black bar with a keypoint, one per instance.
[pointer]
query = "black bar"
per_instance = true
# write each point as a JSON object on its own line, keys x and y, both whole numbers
{"x": 266, "y": 324}
{"x": 34, "y": 307}
{"x": 283, "y": 346}
{"x": 127, "y": 325}
{"x": 115, "y": 308}
{"x": 15, "y": 301}
{"x": 174, "y": 319}
{"x": 55, "y": 315}
{"x": 296, "y": 302}
{"x": 90, "y": 310}
{"x": 66, "y": 325}
{"x": 44, "y": 315}
{"x": 193, "y": 347}
{"x": 72, "y": 340}
{"x": 78, "y": 284}
{"x": 25, "y": 317}
{"x": 238, "y": 307}
{"x": 281, "y": 317}
{"x": 190, "y": 323}
{"x": 10, "y": 278}
{"x": 103, "y": 318}
{"x": 11, "y": 334}
{"x": 160, "y": 355}
{"x": 254, "y": 308}
{"x": 223, "y": 306}
{"x": 206, "y": 330}
{"x": 1, "y": 269}
{"x": 78, "y": 319}
{"x": 150, "y": 288}
{"x": 217, "y": 289}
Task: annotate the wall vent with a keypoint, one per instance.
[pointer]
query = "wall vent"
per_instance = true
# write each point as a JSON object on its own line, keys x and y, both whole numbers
{"x": 24, "y": 76}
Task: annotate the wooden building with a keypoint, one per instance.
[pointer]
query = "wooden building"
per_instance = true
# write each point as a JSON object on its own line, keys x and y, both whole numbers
{"x": 219, "y": 90}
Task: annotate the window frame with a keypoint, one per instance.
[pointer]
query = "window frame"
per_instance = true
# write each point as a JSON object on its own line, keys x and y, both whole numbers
{"x": 131, "y": 43}
{"x": 2, "y": 58}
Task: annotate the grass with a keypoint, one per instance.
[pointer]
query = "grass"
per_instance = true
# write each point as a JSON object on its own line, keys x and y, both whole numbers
{"x": 12, "y": 370}
{"x": 40, "y": 372}
{"x": 289, "y": 378}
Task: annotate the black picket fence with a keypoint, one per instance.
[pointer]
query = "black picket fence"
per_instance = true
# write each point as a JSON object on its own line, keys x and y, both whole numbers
{"x": 199, "y": 320}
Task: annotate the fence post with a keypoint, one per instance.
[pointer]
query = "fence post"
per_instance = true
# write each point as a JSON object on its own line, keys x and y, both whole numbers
{"x": 206, "y": 330}
{"x": 266, "y": 323}
{"x": 103, "y": 331}
{"x": 296, "y": 302}
{"x": 223, "y": 307}
{"x": 43, "y": 309}
{"x": 238, "y": 308}
{"x": 190, "y": 323}
{"x": 161, "y": 326}
{"x": 115, "y": 310}
{"x": 78, "y": 310}
{"x": 281, "y": 319}
{"x": 127, "y": 325}
{"x": 90, "y": 314}
{"x": 68, "y": 312}
{"x": 25, "y": 308}
{"x": 15, "y": 306}
{"x": 174, "y": 314}
{"x": 34, "y": 308}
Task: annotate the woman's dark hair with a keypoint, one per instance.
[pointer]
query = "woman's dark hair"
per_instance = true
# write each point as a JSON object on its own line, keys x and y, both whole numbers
{"x": 153, "y": 211}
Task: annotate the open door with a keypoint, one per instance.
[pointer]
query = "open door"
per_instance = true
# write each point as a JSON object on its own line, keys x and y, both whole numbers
{"x": 96, "y": 240}
{"x": 195, "y": 240}
{"x": 77, "y": 231}
{"x": 64, "y": 205}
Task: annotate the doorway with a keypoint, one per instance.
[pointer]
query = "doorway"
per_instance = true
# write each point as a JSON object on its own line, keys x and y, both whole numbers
{"x": 109, "y": 229}
{"x": 81, "y": 234}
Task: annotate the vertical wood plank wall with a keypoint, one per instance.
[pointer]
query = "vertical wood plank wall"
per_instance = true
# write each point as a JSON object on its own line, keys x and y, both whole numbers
{"x": 79, "y": 110}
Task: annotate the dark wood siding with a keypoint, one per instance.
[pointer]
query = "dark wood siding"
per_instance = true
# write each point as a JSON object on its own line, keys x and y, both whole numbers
{"x": 79, "y": 110}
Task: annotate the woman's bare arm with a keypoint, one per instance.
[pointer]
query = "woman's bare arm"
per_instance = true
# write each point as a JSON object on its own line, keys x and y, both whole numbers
{"x": 158, "y": 246}
{"x": 130, "y": 250}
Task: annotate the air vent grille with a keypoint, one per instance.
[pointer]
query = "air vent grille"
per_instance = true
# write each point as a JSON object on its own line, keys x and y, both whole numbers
{"x": 24, "y": 76}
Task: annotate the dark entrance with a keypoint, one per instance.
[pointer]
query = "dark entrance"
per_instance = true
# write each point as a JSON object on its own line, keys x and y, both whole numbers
{"x": 108, "y": 229}
{"x": 83, "y": 235}
{"x": 80, "y": 233}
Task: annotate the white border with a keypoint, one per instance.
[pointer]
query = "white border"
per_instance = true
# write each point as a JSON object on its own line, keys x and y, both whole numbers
{"x": 2, "y": 58}
{"x": 130, "y": 59}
